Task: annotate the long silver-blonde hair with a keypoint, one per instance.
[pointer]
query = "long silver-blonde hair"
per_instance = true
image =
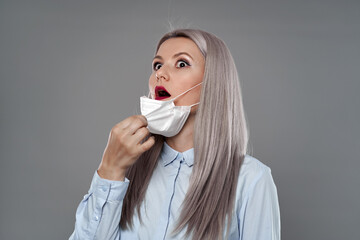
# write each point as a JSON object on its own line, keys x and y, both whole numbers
{"x": 220, "y": 145}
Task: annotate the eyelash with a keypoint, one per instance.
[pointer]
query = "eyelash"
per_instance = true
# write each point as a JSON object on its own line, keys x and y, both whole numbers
{"x": 181, "y": 60}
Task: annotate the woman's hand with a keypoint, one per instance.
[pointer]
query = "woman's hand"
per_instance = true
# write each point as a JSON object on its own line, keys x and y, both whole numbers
{"x": 124, "y": 147}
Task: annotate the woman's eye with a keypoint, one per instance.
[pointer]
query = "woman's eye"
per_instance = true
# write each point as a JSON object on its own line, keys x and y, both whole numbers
{"x": 156, "y": 66}
{"x": 182, "y": 63}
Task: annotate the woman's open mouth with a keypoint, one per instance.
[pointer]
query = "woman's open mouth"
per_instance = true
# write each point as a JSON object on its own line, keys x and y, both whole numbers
{"x": 161, "y": 93}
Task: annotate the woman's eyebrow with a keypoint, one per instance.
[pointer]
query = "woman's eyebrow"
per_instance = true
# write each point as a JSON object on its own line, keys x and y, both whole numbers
{"x": 175, "y": 55}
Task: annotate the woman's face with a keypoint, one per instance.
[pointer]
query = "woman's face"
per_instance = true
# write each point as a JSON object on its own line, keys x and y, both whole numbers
{"x": 177, "y": 66}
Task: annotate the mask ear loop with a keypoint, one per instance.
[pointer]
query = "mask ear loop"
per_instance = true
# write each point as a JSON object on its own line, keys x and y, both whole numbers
{"x": 185, "y": 91}
{"x": 194, "y": 104}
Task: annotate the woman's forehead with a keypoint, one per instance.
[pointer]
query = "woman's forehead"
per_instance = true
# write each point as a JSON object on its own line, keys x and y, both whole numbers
{"x": 172, "y": 46}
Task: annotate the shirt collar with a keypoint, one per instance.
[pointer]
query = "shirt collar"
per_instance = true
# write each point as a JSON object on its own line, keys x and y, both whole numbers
{"x": 168, "y": 155}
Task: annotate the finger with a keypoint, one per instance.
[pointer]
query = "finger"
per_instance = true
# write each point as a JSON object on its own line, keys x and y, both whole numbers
{"x": 128, "y": 121}
{"x": 147, "y": 144}
{"x": 139, "y": 135}
{"x": 143, "y": 117}
{"x": 138, "y": 122}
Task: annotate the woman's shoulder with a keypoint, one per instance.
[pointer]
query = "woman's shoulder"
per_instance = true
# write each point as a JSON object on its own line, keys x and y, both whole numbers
{"x": 256, "y": 200}
{"x": 252, "y": 166}
{"x": 252, "y": 171}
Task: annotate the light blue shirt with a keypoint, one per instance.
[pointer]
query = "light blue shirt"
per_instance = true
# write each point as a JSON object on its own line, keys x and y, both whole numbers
{"x": 256, "y": 216}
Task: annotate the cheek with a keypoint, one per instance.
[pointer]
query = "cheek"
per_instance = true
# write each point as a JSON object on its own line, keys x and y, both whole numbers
{"x": 200, "y": 77}
{"x": 152, "y": 84}
{"x": 197, "y": 94}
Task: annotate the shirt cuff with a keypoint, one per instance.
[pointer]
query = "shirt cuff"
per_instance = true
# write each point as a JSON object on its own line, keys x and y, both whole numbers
{"x": 108, "y": 189}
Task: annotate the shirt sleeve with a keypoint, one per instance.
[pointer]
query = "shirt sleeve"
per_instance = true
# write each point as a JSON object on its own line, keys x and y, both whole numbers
{"x": 261, "y": 212}
{"x": 98, "y": 214}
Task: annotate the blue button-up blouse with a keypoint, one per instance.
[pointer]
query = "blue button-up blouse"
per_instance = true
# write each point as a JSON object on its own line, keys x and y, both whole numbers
{"x": 257, "y": 213}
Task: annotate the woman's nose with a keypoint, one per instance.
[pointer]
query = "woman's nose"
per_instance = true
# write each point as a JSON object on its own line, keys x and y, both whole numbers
{"x": 162, "y": 74}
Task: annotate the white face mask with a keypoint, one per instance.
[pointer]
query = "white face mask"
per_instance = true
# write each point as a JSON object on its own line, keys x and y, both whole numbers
{"x": 164, "y": 117}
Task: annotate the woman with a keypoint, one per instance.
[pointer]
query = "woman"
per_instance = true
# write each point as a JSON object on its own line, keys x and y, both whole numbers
{"x": 192, "y": 178}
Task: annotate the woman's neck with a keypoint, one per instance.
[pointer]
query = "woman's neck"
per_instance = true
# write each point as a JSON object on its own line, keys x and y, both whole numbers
{"x": 184, "y": 139}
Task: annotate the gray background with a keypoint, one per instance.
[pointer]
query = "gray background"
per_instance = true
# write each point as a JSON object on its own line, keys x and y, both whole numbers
{"x": 70, "y": 70}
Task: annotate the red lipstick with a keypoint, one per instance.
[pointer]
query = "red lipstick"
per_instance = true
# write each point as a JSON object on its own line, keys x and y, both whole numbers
{"x": 161, "y": 93}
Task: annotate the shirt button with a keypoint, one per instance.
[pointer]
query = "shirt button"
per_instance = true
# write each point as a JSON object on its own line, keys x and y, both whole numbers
{"x": 96, "y": 218}
{"x": 104, "y": 188}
